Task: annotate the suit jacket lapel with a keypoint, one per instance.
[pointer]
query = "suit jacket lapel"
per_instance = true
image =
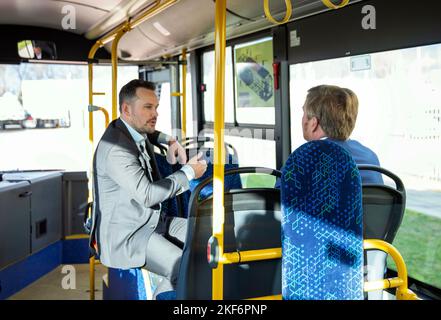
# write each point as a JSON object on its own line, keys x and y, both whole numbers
{"x": 144, "y": 163}
{"x": 122, "y": 127}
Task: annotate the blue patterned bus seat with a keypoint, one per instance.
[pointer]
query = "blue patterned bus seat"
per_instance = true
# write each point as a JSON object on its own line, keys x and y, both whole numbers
{"x": 322, "y": 224}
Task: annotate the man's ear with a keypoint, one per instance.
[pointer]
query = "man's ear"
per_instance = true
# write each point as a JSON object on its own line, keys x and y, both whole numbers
{"x": 315, "y": 124}
{"x": 125, "y": 109}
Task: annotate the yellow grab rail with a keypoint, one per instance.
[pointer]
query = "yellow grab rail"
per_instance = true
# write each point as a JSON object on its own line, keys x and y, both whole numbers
{"x": 219, "y": 150}
{"x": 330, "y": 5}
{"x": 402, "y": 293}
{"x": 92, "y": 261}
{"x": 288, "y": 13}
{"x": 184, "y": 94}
{"x": 270, "y": 17}
{"x": 90, "y": 57}
{"x": 103, "y": 110}
{"x": 251, "y": 255}
{"x": 115, "y": 43}
{"x": 400, "y": 282}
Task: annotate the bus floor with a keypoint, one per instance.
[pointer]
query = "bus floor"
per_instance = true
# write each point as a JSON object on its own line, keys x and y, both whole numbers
{"x": 73, "y": 284}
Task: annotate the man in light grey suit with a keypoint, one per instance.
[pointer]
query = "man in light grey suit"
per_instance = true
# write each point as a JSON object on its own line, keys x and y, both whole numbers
{"x": 128, "y": 228}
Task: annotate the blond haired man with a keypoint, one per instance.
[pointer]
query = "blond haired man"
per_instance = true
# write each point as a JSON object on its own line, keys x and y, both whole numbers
{"x": 330, "y": 112}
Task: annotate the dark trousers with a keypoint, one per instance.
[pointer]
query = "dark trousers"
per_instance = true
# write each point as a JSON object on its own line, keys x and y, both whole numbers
{"x": 164, "y": 252}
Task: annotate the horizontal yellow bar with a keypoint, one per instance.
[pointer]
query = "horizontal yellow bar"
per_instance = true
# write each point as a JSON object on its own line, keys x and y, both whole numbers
{"x": 252, "y": 255}
{"x": 99, "y": 93}
{"x": 407, "y": 295}
{"x": 77, "y": 236}
{"x": 276, "y": 297}
{"x": 176, "y": 94}
{"x": 383, "y": 284}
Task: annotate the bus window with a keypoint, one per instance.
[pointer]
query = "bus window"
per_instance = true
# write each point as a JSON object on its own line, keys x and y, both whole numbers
{"x": 248, "y": 148}
{"x": 400, "y": 119}
{"x": 208, "y": 78}
{"x": 55, "y": 99}
{"x": 254, "y": 82}
{"x": 164, "y": 122}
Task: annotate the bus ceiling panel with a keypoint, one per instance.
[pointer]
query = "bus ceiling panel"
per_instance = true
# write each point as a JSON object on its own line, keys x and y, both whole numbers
{"x": 132, "y": 45}
{"x": 75, "y": 16}
{"x": 118, "y": 15}
{"x": 190, "y": 24}
{"x": 181, "y": 25}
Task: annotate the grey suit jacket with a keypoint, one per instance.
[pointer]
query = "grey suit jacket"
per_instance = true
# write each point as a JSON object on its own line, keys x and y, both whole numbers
{"x": 126, "y": 206}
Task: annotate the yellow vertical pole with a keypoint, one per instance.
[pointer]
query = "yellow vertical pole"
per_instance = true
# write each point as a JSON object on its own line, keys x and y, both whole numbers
{"x": 115, "y": 69}
{"x": 92, "y": 52}
{"x": 92, "y": 278}
{"x": 184, "y": 94}
{"x": 91, "y": 55}
{"x": 219, "y": 150}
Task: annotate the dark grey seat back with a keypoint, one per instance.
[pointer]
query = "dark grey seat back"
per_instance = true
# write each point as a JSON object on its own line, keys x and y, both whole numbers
{"x": 383, "y": 211}
{"x": 383, "y": 207}
{"x": 252, "y": 222}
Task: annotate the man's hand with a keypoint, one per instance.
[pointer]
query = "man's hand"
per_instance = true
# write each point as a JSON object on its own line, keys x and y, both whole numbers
{"x": 199, "y": 166}
{"x": 176, "y": 153}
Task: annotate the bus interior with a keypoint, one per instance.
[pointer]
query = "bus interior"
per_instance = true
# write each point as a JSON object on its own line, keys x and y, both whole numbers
{"x": 62, "y": 64}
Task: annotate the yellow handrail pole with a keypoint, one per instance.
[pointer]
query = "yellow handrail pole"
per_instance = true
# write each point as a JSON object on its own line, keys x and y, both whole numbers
{"x": 92, "y": 278}
{"x": 92, "y": 261}
{"x": 158, "y": 7}
{"x": 184, "y": 94}
{"x": 219, "y": 150}
{"x": 91, "y": 55}
{"x": 251, "y": 255}
{"x": 115, "y": 43}
{"x": 116, "y": 36}
{"x": 106, "y": 115}
{"x": 403, "y": 293}
{"x": 154, "y": 9}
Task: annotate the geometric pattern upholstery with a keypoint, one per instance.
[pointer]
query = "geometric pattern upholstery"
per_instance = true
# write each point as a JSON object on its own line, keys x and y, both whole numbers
{"x": 133, "y": 284}
{"x": 322, "y": 224}
{"x": 231, "y": 181}
{"x": 127, "y": 284}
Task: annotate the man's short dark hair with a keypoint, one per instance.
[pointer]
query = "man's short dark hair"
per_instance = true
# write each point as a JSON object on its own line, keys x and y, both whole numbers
{"x": 128, "y": 92}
